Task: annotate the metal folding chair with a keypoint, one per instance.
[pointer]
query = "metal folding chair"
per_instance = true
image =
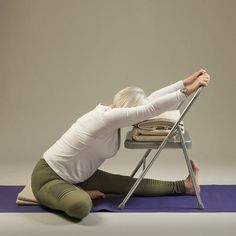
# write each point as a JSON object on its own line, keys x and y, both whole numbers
{"x": 179, "y": 141}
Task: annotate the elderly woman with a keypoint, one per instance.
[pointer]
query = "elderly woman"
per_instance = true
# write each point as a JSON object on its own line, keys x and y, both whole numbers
{"x": 67, "y": 177}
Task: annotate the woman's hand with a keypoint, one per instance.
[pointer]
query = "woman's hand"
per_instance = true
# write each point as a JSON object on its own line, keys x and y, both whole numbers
{"x": 95, "y": 194}
{"x": 202, "y": 80}
{"x": 189, "y": 80}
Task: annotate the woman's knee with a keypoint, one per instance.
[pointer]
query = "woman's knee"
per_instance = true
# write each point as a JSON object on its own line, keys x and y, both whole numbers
{"x": 80, "y": 208}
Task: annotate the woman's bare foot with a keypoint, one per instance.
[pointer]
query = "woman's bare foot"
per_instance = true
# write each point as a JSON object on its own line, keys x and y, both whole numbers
{"x": 189, "y": 189}
{"x": 95, "y": 194}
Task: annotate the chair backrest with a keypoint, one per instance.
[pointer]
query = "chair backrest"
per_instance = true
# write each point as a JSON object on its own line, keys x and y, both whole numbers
{"x": 194, "y": 97}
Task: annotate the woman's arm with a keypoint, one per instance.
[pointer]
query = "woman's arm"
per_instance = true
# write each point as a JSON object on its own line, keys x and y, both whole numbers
{"x": 121, "y": 117}
{"x": 176, "y": 86}
{"x": 166, "y": 90}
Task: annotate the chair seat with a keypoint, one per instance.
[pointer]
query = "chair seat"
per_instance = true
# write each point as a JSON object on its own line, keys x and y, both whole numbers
{"x": 173, "y": 142}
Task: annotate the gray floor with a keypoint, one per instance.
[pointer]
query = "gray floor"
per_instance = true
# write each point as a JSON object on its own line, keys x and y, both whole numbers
{"x": 122, "y": 223}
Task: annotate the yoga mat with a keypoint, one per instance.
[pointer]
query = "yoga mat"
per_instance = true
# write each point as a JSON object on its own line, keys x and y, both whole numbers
{"x": 216, "y": 198}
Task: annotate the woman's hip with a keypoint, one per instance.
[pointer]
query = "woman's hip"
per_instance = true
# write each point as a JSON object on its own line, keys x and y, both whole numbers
{"x": 42, "y": 173}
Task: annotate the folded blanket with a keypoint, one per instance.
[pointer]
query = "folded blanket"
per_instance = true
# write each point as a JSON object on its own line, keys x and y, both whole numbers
{"x": 26, "y": 196}
{"x": 156, "y": 128}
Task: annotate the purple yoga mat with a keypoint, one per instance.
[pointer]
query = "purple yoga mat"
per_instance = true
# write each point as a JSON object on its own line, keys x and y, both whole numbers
{"x": 216, "y": 198}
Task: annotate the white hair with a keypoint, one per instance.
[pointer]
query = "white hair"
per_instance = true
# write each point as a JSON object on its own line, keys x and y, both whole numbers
{"x": 129, "y": 97}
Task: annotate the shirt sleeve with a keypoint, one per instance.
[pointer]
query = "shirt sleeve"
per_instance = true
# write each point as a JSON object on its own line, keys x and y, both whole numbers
{"x": 121, "y": 117}
{"x": 166, "y": 90}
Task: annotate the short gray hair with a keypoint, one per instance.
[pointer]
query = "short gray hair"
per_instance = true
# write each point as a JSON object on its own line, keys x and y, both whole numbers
{"x": 129, "y": 97}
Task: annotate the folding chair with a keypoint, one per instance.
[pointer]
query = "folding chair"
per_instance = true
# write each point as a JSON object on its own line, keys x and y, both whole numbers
{"x": 180, "y": 141}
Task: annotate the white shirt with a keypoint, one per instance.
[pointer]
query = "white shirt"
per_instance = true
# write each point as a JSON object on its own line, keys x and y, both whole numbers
{"x": 95, "y": 136}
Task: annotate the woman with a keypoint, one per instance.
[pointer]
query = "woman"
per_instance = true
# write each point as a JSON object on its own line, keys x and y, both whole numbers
{"x": 67, "y": 177}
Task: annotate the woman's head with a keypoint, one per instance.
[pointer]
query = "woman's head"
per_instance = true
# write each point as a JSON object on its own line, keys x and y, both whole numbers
{"x": 129, "y": 97}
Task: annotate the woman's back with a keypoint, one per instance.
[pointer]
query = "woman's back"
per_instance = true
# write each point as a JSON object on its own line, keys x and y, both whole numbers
{"x": 77, "y": 154}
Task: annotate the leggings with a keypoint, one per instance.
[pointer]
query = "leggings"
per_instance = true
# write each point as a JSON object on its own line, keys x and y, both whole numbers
{"x": 56, "y": 193}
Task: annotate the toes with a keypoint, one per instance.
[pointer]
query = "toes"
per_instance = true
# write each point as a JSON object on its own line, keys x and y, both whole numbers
{"x": 194, "y": 165}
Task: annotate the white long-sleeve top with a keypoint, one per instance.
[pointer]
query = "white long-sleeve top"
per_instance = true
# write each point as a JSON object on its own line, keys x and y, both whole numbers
{"x": 95, "y": 136}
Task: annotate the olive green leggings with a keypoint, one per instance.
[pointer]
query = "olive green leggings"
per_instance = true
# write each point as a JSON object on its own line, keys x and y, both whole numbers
{"x": 54, "y": 192}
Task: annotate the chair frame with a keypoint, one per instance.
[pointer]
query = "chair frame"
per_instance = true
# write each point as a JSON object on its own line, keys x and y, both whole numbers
{"x": 176, "y": 130}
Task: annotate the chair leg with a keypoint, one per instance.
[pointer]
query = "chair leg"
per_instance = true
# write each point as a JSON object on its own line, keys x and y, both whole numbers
{"x": 122, "y": 204}
{"x": 184, "y": 148}
{"x": 142, "y": 161}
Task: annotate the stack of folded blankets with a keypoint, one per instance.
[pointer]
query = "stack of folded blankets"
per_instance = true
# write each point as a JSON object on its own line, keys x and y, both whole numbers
{"x": 157, "y": 127}
{"x": 26, "y": 196}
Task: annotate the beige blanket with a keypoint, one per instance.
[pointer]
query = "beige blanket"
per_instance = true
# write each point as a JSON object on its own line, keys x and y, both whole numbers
{"x": 156, "y": 128}
{"x": 26, "y": 196}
